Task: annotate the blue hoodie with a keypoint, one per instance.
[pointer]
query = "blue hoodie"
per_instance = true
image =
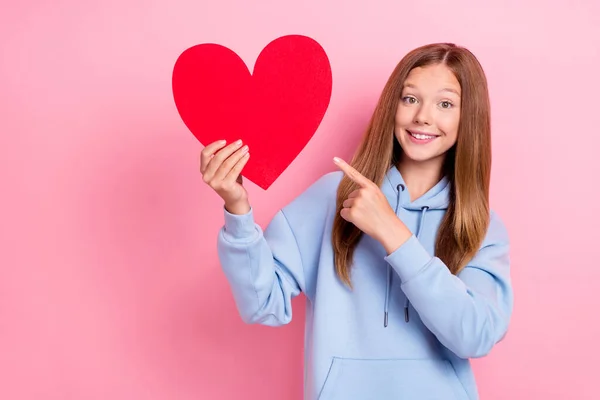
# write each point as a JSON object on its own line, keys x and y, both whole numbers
{"x": 408, "y": 327}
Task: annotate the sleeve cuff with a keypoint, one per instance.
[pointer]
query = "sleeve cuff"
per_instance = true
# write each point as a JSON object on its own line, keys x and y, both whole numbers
{"x": 409, "y": 259}
{"x": 240, "y": 226}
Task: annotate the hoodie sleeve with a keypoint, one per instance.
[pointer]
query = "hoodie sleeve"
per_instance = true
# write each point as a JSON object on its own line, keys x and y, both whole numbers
{"x": 468, "y": 313}
{"x": 267, "y": 269}
{"x": 264, "y": 268}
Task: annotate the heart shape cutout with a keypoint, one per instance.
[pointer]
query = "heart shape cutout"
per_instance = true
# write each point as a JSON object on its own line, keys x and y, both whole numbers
{"x": 275, "y": 110}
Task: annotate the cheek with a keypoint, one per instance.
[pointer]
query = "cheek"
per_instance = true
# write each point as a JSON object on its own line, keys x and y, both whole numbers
{"x": 449, "y": 124}
{"x": 403, "y": 117}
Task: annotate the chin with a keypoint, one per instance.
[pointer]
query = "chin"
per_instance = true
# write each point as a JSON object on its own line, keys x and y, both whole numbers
{"x": 420, "y": 158}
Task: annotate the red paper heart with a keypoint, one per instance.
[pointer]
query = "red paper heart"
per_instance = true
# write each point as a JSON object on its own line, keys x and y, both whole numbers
{"x": 275, "y": 111}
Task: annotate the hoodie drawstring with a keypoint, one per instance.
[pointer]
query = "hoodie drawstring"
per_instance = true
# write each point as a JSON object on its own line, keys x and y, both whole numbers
{"x": 388, "y": 287}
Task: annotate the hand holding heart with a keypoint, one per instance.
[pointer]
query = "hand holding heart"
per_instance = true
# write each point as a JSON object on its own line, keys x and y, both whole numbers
{"x": 369, "y": 210}
{"x": 221, "y": 168}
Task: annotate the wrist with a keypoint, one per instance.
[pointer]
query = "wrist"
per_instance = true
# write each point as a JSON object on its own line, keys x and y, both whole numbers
{"x": 238, "y": 208}
{"x": 394, "y": 236}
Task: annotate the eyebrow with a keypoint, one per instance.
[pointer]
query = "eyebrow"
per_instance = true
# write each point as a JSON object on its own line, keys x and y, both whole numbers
{"x": 409, "y": 85}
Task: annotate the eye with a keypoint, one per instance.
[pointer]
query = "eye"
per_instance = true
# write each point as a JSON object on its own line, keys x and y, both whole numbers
{"x": 446, "y": 104}
{"x": 409, "y": 100}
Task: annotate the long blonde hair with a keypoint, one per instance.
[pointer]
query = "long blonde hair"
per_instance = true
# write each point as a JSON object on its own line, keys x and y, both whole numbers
{"x": 467, "y": 164}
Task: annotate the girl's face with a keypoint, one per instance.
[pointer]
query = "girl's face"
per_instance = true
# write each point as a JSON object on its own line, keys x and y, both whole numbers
{"x": 428, "y": 114}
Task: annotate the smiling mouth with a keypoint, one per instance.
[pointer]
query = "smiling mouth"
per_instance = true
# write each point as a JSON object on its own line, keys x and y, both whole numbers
{"x": 421, "y": 135}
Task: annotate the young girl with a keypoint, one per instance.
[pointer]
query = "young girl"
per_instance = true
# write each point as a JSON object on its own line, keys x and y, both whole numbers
{"x": 404, "y": 266}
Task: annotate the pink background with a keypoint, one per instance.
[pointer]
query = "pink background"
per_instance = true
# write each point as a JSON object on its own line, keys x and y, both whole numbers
{"x": 110, "y": 285}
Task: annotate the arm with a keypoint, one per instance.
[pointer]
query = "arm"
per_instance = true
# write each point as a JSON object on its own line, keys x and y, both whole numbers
{"x": 468, "y": 313}
{"x": 264, "y": 269}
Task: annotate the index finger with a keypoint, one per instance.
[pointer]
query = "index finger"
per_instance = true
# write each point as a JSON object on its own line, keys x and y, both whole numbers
{"x": 208, "y": 152}
{"x": 213, "y": 147}
{"x": 351, "y": 172}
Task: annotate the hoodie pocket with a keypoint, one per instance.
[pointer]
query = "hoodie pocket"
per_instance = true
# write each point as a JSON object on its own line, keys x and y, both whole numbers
{"x": 431, "y": 379}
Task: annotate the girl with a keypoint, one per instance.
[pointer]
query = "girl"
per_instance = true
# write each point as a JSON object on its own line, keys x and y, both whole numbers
{"x": 404, "y": 266}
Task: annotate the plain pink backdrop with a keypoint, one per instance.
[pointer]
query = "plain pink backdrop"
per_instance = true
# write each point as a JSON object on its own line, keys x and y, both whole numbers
{"x": 110, "y": 286}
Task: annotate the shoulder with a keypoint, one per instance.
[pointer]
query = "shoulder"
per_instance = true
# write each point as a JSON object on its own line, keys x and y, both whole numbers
{"x": 323, "y": 189}
{"x": 493, "y": 255}
{"x": 327, "y": 183}
{"x": 497, "y": 233}
{"x": 317, "y": 198}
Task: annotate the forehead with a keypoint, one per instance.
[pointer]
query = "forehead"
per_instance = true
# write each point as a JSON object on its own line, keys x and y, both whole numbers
{"x": 432, "y": 78}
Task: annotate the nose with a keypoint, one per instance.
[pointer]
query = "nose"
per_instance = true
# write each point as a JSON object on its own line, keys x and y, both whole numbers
{"x": 422, "y": 116}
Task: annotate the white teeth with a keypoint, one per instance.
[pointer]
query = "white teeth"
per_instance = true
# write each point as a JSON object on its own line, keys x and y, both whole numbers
{"x": 420, "y": 136}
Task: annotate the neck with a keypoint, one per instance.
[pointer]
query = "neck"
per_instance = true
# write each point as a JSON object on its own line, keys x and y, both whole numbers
{"x": 420, "y": 177}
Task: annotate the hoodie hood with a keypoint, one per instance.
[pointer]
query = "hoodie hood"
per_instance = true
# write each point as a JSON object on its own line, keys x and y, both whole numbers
{"x": 436, "y": 198}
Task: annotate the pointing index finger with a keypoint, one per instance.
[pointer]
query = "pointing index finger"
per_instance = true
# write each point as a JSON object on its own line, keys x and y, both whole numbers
{"x": 351, "y": 172}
